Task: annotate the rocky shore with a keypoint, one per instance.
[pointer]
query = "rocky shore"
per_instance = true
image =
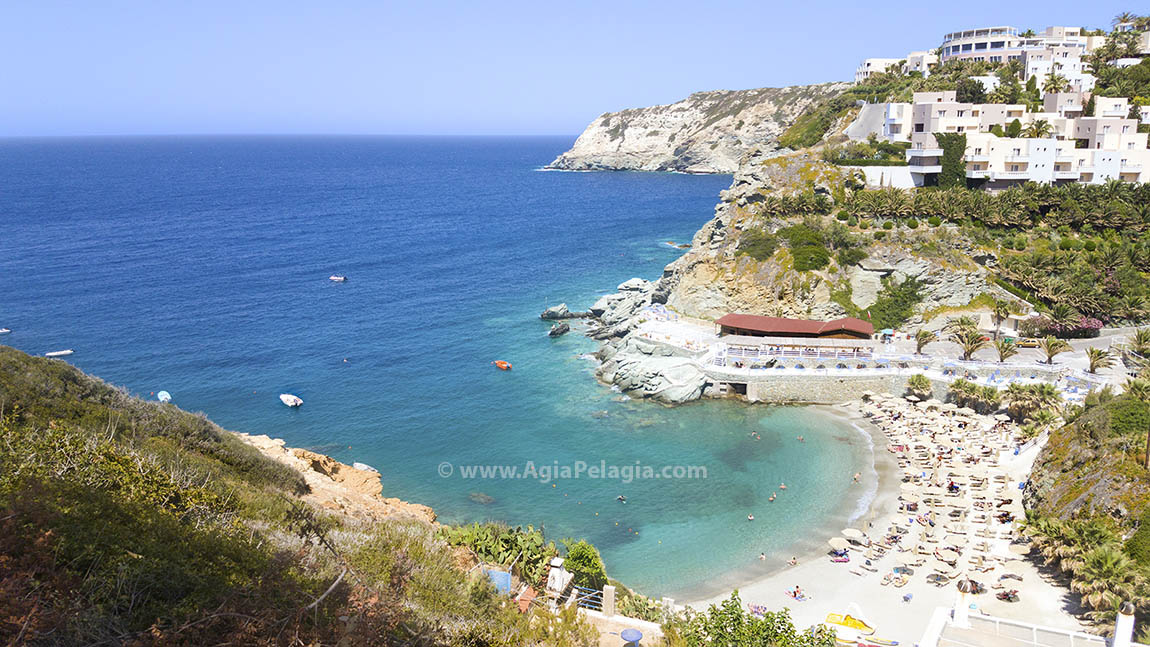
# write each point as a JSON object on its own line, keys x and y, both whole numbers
{"x": 349, "y": 491}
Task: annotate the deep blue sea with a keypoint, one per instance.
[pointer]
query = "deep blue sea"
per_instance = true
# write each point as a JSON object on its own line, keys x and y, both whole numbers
{"x": 200, "y": 266}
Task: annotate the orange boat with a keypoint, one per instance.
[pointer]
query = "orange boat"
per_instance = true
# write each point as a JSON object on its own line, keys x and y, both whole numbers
{"x": 503, "y": 366}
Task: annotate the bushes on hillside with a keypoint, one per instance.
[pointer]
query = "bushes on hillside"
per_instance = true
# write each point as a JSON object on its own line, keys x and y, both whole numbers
{"x": 758, "y": 244}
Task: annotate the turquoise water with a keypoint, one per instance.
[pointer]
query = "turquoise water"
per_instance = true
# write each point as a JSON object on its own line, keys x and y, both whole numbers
{"x": 199, "y": 266}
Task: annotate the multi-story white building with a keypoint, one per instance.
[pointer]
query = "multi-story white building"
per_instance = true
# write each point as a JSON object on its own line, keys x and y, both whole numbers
{"x": 920, "y": 62}
{"x": 1078, "y": 149}
{"x": 1063, "y": 60}
{"x": 1004, "y": 43}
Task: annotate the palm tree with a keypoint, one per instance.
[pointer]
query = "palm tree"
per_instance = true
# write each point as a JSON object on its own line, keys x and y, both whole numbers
{"x": 922, "y": 337}
{"x": 1000, "y": 310}
{"x": 1006, "y": 349}
{"x": 960, "y": 324}
{"x": 1037, "y": 129}
{"x": 918, "y": 384}
{"x": 1099, "y": 358}
{"x": 1043, "y": 419}
{"x": 1055, "y": 83}
{"x": 971, "y": 342}
{"x": 1138, "y": 388}
{"x": 1106, "y": 578}
{"x": 1052, "y": 346}
{"x": 1125, "y": 16}
{"x": 1140, "y": 342}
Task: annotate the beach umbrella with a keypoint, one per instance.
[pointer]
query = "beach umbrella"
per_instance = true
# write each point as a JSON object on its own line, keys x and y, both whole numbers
{"x": 912, "y": 398}
{"x": 966, "y": 411}
{"x": 1019, "y": 549}
{"x": 956, "y": 540}
{"x": 838, "y": 543}
{"x": 853, "y": 533}
{"x": 908, "y": 487}
{"x": 631, "y": 635}
{"x": 910, "y": 498}
{"x": 948, "y": 555}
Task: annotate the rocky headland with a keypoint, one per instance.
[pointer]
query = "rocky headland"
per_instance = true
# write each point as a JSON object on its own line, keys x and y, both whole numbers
{"x": 708, "y": 132}
{"x": 712, "y": 278}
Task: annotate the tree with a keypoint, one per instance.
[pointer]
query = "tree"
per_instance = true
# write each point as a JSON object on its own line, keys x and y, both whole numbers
{"x": 919, "y": 384}
{"x": 1099, "y": 358}
{"x": 1124, "y": 17}
{"x": 922, "y": 337}
{"x": 1000, "y": 310}
{"x": 1037, "y": 129}
{"x": 971, "y": 342}
{"x": 953, "y": 172}
{"x": 1138, "y": 388}
{"x": 1052, "y": 346}
{"x": 960, "y": 324}
{"x": 970, "y": 90}
{"x": 1140, "y": 342}
{"x": 584, "y": 561}
{"x": 1006, "y": 349}
{"x": 1055, "y": 83}
{"x": 1106, "y": 578}
{"x": 728, "y": 624}
{"x": 1014, "y": 128}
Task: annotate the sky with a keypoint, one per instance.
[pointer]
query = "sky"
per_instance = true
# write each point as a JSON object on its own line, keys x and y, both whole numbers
{"x": 469, "y": 68}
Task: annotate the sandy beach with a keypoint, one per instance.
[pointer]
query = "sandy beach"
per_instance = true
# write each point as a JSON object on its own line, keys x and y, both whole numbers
{"x": 985, "y": 552}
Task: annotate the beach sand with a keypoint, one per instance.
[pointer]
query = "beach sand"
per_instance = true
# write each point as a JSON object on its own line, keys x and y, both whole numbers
{"x": 833, "y": 588}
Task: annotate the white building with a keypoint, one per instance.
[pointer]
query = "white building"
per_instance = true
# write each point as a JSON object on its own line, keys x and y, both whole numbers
{"x": 871, "y": 66}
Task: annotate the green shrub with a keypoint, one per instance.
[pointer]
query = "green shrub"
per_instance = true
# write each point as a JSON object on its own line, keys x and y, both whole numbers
{"x": 808, "y": 247}
{"x": 850, "y": 256}
{"x": 912, "y": 223}
{"x": 758, "y": 244}
{"x": 934, "y": 221}
{"x": 1090, "y": 245}
{"x": 584, "y": 561}
{"x": 1066, "y": 244}
{"x": 879, "y": 235}
{"x": 895, "y": 303}
{"x": 842, "y": 215}
{"x": 1138, "y": 546}
{"x": 852, "y": 221}
{"x": 1129, "y": 416}
{"x": 888, "y": 225}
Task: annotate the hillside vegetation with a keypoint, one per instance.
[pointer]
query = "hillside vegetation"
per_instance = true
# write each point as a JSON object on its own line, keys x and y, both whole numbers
{"x": 131, "y": 522}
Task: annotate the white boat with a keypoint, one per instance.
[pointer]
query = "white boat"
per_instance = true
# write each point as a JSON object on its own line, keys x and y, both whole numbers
{"x": 59, "y": 353}
{"x": 5, "y": 330}
{"x": 365, "y": 467}
{"x": 338, "y": 278}
{"x": 164, "y": 396}
{"x": 290, "y": 400}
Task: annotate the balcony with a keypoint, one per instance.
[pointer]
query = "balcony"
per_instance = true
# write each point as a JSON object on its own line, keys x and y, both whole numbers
{"x": 937, "y": 168}
{"x": 1064, "y": 159}
{"x": 1021, "y": 159}
{"x": 1010, "y": 175}
{"x": 923, "y": 152}
{"x": 1131, "y": 168}
{"x": 978, "y": 174}
{"x": 1067, "y": 175}
{"x": 1112, "y": 113}
{"x": 977, "y": 158}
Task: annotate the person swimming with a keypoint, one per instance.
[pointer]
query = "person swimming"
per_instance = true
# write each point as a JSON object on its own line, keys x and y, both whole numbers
{"x": 750, "y": 517}
{"x": 762, "y": 557}
{"x": 782, "y": 486}
{"x": 621, "y": 499}
{"x": 772, "y": 498}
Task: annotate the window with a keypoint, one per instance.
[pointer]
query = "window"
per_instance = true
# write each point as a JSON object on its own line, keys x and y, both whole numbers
{"x": 1013, "y": 168}
{"x": 960, "y": 128}
{"x": 998, "y": 44}
{"x": 918, "y": 128}
{"x": 966, "y": 47}
{"x": 962, "y": 113}
{"x": 980, "y": 45}
{"x": 942, "y": 113}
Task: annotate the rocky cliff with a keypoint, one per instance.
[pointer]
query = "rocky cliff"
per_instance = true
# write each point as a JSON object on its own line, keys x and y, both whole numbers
{"x": 708, "y": 132}
{"x": 712, "y": 278}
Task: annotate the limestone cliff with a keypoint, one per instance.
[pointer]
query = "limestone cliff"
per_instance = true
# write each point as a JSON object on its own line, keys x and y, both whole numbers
{"x": 708, "y": 132}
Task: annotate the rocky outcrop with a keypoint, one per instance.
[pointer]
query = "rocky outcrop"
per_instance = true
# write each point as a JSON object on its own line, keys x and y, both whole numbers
{"x": 708, "y": 132}
{"x": 559, "y": 329}
{"x": 343, "y": 489}
{"x": 556, "y": 313}
{"x": 643, "y": 369}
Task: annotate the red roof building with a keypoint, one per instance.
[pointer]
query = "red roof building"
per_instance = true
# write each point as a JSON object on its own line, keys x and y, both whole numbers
{"x": 757, "y": 326}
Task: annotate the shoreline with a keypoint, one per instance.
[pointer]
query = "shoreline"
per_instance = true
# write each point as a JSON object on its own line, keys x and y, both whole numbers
{"x": 882, "y": 506}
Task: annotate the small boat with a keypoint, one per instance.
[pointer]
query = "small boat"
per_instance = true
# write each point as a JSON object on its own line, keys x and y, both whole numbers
{"x": 4, "y": 331}
{"x": 59, "y": 353}
{"x": 291, "y": 400}
{"x": 365, "y": 467}
{"x": 164, "y": 396}
{"x": 338, "y": 278}
{"x": 502, "y": 365}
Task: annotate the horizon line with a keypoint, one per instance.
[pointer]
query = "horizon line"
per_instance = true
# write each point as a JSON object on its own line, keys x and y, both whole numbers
{"x": 286, "y": 134}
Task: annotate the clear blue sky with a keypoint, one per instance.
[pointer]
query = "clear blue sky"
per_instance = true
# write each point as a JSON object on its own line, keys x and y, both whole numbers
{"x": 148, "y": 67}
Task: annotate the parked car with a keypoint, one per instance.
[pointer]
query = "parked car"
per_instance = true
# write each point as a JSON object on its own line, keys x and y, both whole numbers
{"x": 1027, "y": 342}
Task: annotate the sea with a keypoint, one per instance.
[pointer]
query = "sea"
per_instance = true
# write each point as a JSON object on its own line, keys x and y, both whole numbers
{"x": 200, "y": 266}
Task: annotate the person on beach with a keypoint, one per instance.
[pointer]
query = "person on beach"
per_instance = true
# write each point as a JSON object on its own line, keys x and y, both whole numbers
{"x": 793, "y": 561}
{"x": 762, "y": 557}
{"x": 858, "y": 475}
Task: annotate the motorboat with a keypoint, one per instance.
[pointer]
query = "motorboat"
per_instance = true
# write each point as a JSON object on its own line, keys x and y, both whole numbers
{"x": 164, "y": 396}
{"x": 338, "y": 278}
{"x": 5, "y": 331}
{"x": 291, "y": 400}
{"x": 502, "y": 365}
{"x": 59, "y": 353}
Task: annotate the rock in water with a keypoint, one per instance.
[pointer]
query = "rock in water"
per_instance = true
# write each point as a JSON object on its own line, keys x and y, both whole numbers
{"x": 555, "y": 313}
{"x": 559, "y": 330}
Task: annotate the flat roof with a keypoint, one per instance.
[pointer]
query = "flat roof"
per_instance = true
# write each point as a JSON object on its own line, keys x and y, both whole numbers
{"x": 785, "y": 326}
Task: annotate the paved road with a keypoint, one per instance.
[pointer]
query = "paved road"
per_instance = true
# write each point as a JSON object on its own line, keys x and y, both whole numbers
{"x": 869, "y": 120}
